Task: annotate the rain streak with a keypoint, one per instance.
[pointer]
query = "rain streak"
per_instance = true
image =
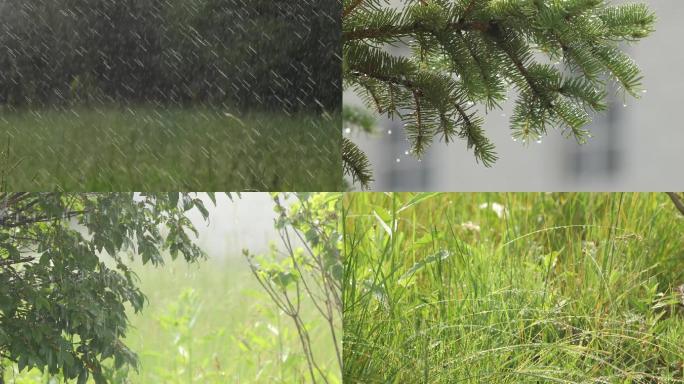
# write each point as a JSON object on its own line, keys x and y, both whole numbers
{"x": 170, "y": 94}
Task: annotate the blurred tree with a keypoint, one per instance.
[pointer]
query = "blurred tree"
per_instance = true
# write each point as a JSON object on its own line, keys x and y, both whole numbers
{"x": 557, "y": 55}
{"x": 274, "y": 54}
{"x": 62, "y": 304}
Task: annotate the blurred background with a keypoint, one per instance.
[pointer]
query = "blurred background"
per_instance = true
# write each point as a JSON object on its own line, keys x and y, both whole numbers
{"x": 637, "y": 145}
{"x": 201, "y": 319}
{"x": 211, "y": 322}
{"x": 243, "y": 223}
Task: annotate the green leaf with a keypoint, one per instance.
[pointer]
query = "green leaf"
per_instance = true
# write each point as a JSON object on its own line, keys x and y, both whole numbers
{"x": 417, "y": 199}
{"x": 83, "y": 377}
{"x": 212, "y": 197}
{"x": 420, "y": 265}
{"x": 173, "y": 199}
{"x": 382, "y": 223}
{"x": 200, "y": 206}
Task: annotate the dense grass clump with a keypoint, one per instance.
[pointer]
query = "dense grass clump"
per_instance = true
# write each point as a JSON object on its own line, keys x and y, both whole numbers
{"x": 513, "y": 288}
{"x": 152, "y": 149}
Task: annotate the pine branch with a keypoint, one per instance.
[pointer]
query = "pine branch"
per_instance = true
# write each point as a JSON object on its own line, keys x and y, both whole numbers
{"x": 356, "y": 164}
{"x": 467, "y": 53}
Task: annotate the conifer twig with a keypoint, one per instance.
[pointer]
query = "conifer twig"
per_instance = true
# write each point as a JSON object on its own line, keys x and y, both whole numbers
{"x": 470, "y": 52}
{"x": 351, "y": 7}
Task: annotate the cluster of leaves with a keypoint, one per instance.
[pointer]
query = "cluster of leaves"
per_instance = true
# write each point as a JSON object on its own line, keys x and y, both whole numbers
{"x": 181, "y": 51}
{"x": 307, "y": 267}
{"x": 470, "y": 52}
{"x": 62, "y": 303}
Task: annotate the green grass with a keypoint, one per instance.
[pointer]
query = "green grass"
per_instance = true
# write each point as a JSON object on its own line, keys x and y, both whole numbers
{"x": 212, "y": 323}
{"x": 238, "y": 336}
{"x": 565, "y": 288}
{"x": 151, "y": 149}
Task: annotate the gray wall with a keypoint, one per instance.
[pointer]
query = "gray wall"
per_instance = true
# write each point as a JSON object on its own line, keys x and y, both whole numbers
{"x": 637, "y": 147}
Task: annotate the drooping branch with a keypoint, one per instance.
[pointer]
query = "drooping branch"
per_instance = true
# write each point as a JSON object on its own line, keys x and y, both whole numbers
{"x": 677, "y": 201}
{"x": 471, "y": 52}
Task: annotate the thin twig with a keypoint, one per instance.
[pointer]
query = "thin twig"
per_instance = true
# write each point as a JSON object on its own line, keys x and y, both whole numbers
{"x": 351, "y": 7}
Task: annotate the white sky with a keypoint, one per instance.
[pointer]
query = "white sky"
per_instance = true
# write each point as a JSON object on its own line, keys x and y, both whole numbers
{"x": 245, "y": 222}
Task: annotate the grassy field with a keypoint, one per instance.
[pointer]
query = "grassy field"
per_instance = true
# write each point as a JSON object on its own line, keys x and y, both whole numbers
{"x": 513, "y": 288}
{"x": 152, "y": 149}
{"x": 212, "y": 323}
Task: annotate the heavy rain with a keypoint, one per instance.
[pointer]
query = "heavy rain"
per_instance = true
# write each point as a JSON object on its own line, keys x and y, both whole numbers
{"x": 170, "y": 94}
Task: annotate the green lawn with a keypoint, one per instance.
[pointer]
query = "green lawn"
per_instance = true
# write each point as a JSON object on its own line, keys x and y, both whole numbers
{"x": 513, "y": 288}
{"x": 152, "y": 149}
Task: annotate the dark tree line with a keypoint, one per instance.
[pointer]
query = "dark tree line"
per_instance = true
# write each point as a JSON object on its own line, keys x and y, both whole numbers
{"x": 245, "y": 53}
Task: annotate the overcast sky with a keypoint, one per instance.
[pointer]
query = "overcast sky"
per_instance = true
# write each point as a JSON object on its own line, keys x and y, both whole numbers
{"x": 245, "y": 222}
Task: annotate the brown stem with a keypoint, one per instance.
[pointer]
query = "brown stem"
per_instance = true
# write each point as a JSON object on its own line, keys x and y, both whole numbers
{"x": 677, "y": 201}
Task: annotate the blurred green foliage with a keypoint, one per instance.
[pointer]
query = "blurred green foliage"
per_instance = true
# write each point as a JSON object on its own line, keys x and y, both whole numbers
{"x": 251, "y": 55}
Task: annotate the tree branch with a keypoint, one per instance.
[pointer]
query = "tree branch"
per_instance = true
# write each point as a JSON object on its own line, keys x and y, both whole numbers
{"x": 41, "y": 219}
{"x": 398, "y": 31}
{"x": 8, "y": 262}
{"x": 677, "y": 201}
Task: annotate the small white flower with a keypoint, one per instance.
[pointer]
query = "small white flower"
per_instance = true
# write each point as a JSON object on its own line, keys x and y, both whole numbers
{"x": 499, "y": 209}
{"x": 470, "y": 226}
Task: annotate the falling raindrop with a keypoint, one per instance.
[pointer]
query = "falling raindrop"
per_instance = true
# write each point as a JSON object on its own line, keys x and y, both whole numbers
{"x": 398, "y": 160}
{"x": 389, "y": 131}
{"x": 159, "y": 94}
